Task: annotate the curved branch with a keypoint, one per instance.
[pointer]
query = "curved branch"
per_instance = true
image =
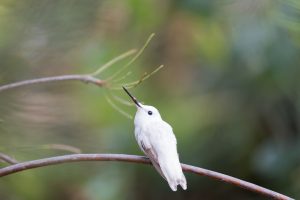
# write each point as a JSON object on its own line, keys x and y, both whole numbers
{"x": 75, "y": 77}
{"x": 137, "y": 159}
{"x": 7, "y": 159}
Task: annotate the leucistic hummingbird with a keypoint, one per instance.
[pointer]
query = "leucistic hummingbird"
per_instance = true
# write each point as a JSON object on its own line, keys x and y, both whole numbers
{"x": 157, "y": 140}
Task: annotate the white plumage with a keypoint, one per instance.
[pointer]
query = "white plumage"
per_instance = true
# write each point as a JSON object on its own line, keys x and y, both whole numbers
{"x": 157, "y": 140}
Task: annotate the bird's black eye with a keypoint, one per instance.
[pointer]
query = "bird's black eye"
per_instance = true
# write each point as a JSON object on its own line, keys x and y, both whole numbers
{"x": 149, "y": 112}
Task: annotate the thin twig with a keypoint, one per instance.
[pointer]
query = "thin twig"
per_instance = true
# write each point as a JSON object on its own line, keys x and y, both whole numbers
{"x": 117, "y": 108}
{"x": 62, "y": 147}
{"x": 113, "y": 61}
{"x": 138, "y": 159}
{"x": 134, "y": 58}
{"x": 143, "y": 78}
{"x": 75, "y": 77}
{"x": 123, "y": 77}
{"x": 121, "y": 100}
{"x": 7, "y": 159}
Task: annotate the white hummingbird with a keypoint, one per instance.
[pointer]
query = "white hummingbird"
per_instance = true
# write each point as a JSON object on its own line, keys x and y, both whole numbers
{"x": 157, "y": 140}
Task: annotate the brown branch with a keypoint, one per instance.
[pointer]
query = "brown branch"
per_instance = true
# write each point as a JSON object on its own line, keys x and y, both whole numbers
{"x": 137, "y": 159}
{"x": 74, "y": 77}
{"x": 7, "y": 159}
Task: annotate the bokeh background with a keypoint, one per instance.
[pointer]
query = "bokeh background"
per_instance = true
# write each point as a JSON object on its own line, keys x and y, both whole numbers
{"x": 229, "y": 88}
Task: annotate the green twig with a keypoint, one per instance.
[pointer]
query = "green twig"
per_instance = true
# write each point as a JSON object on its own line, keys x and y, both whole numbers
{"x": 62, "y": 147}
{"x": 123, "y": 77}
{"x": 113, "y": 61}
{"x": 143, "y": 78}
{"x": 117, "y": 108}
{"x": 121, "y": 100}
{"x": 134, "y": 58}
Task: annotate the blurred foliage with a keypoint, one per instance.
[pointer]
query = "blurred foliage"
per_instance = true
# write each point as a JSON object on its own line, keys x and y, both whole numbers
{"x": 229, "y": 88}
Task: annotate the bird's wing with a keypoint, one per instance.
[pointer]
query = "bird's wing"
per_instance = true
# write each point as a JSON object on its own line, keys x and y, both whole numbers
{"x": 150, "y": 152}
{"x": 158, "y": 142}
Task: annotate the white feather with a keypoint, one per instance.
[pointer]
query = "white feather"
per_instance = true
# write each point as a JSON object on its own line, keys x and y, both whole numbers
{"x": 157, "y": 140}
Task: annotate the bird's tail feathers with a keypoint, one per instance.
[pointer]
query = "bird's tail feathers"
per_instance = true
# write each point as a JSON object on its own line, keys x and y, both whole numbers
{"x": 174, "y": 176}
{"x": 179, "y": 181}
{"x": 182, "y": 182}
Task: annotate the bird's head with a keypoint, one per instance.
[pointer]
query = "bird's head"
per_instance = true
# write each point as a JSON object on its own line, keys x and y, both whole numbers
{"x": 144, "y": 113}
{"x": 148, "y": 113}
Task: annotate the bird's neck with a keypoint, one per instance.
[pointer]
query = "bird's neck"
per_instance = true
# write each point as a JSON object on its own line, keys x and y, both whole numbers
{"x": 140, "y": 122}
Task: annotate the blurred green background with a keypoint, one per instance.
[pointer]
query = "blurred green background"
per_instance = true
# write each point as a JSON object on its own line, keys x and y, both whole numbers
{"x": 229, "y": 88}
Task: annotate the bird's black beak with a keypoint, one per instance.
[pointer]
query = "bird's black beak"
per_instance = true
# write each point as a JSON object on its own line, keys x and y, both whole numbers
{"x": 132, "y": 97}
